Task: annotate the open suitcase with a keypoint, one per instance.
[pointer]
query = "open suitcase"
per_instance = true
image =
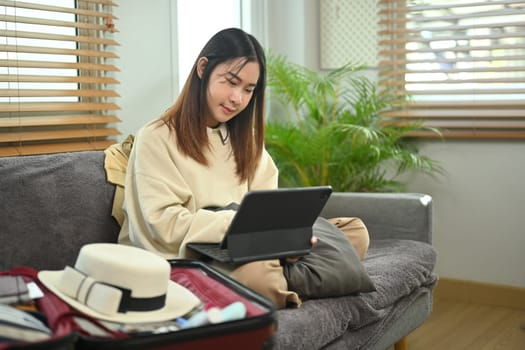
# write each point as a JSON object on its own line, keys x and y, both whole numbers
{"x": 255, "y": 331}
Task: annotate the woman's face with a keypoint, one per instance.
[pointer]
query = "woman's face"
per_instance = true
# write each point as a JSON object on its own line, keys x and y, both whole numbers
{"x": 230, "y": 89}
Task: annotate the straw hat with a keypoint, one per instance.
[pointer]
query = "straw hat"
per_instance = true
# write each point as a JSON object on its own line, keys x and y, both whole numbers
{"x": 120, "y": 283}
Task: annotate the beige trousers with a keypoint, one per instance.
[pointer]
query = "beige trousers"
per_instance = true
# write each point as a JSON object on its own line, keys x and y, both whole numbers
{"x": 267, "y": 278}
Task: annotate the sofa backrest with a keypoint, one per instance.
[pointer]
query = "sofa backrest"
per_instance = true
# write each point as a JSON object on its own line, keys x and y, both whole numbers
{"x": 50, "y": 206}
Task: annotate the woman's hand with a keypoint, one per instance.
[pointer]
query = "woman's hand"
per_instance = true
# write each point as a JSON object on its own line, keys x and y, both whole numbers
{"x": 291, "y": 260}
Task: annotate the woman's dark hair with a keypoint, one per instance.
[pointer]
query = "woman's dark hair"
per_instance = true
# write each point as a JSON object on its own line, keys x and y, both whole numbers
{"x": 187, "y": 117}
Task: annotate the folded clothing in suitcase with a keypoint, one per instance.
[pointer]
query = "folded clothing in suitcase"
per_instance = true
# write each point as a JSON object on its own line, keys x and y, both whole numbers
{"x": 47, "y": 308}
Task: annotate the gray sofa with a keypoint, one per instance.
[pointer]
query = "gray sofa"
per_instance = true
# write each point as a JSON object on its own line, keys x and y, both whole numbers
{"x": 51, "y": 205}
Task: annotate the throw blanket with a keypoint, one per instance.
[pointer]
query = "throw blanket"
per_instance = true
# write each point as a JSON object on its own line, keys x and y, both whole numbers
{"x": 401, "y": 271}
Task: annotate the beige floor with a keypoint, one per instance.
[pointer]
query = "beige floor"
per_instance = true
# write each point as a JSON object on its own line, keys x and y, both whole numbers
{"x": 457, "y": 325}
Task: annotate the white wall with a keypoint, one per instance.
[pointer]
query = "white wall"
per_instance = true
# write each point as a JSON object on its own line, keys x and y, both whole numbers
{"x": 479, "y": 222}
{"x": 147, "y": 71}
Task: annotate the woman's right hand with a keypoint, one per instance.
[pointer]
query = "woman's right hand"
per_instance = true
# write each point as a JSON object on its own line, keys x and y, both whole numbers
{"x": 291, "y": 260}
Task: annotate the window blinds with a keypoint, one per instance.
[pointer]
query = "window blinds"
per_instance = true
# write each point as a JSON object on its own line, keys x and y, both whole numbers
{"x": 459, "y": 64}
{"x": 56, "y": 67}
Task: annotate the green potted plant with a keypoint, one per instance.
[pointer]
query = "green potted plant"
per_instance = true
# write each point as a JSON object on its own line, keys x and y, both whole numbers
{"x": 329, "y": 131}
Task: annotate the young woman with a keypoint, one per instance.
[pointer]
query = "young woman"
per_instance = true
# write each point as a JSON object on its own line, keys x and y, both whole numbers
{"x": 206, "y": 151}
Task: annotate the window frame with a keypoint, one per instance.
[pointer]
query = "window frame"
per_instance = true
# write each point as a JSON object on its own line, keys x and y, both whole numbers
{"x": 477, "y": 117}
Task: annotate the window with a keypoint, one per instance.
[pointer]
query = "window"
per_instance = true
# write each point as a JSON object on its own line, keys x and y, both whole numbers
{"x": 55, "y": 74}
{"x": 195, "y": 27}
{"x": 460, "y": 64}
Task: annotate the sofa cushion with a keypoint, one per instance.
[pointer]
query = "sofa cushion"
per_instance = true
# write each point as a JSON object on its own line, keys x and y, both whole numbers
{"x": 52, "y": 205}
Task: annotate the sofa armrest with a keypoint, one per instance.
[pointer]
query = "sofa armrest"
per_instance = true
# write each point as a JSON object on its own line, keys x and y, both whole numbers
{"x": 386, "y": 215}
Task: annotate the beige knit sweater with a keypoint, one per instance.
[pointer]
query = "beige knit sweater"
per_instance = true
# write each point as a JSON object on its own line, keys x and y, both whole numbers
{"x": 166, "y": 191}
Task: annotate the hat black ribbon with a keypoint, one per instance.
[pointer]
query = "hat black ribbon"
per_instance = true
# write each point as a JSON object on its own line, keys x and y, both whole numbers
{"x": 129, "y": 303}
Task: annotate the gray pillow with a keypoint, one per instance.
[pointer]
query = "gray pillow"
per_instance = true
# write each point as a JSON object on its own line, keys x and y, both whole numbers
{"x": 331, "y": 269}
